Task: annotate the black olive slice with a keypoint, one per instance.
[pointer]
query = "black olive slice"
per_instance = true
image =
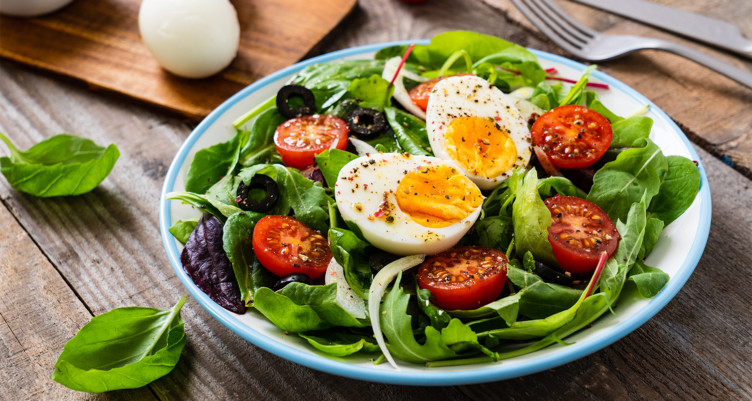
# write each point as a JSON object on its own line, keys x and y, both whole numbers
{"x": 551, "y": 275}
{"x": 366, "y": 122}
{"x": 291, "y": 278}
{"x": 259, "y": 181}
{"x": 288, "y": 92}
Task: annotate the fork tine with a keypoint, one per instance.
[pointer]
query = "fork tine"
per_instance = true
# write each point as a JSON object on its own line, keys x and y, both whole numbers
{"x": 544, "y": 23}
{"x": 563, "y": 16}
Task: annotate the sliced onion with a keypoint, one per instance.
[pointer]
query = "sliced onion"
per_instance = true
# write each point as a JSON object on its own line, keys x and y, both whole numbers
{"x": 363, "y": 148}
{"x": 524, "y": 93}
{"x": 400, "y": 93}
{"x": 346, "y": 297}
{"x": 376, "y": 292}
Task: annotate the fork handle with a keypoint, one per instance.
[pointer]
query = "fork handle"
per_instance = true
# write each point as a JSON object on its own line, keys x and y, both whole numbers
{"x": 737, "y": 74}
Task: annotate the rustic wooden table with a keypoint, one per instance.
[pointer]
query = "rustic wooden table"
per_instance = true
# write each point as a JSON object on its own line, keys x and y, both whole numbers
{"x": 64, "y": 260}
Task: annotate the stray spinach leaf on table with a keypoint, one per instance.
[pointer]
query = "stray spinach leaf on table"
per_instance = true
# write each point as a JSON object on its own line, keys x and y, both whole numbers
{"x": 60, "y": 165}
{"x": 123, "y": 348}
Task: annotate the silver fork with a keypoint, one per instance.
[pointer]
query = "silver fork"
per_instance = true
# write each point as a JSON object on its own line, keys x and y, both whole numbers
{"x": 590, "y": 45}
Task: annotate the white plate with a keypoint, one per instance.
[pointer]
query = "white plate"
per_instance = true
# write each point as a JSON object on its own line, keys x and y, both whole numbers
{"x": 679, "y": 249}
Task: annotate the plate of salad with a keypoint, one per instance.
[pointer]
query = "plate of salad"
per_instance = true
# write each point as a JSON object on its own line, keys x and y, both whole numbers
{"x": 435, "y": 212}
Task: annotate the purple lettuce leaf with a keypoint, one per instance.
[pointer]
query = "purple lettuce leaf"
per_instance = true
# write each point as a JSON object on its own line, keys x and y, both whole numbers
{"x": 206, "y": 263}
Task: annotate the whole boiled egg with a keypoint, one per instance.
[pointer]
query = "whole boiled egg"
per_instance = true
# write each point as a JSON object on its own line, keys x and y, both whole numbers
{"x": 190, "y": 38}
{"x": 478, "y": 127}
{"x": 407, "y": 204}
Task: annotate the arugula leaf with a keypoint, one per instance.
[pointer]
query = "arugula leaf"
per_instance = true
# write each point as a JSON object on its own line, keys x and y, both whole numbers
{"x": 123, "y": 348}
{"x": 60, "y": 165}
{"x": 396, "y": 326}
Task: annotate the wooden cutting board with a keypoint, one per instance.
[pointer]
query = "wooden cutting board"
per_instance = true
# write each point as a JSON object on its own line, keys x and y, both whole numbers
{"x": 98, "y": 42}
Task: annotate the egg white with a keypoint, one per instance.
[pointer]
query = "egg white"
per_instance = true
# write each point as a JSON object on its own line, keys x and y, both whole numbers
{"x": 190, "y": 38}
{"x": 472, "y": 96}
{"x": 366, "y": 183}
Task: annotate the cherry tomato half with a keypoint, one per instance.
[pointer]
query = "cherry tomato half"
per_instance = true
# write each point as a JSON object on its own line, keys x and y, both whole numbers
{"x": 284, "y": 245}
{"x": 299, "y": 139}
{"x": 572, "y": 136}
{"x": 464, "y": 278}
{"x": 579, "y": 232}
{"x": 420, "y": 93}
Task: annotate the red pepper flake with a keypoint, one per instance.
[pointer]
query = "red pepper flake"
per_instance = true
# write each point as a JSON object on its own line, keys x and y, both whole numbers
{"x": 378, "y": 213}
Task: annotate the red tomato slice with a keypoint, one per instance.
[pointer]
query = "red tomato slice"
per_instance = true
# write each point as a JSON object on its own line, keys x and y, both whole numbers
{"x": 464, "y": 278}
{"x": 299, "y": 139}
{"x": 579, "y": 232}
{"x": 572, "y": 136}
{"x": 420, "y": 93}
{"x": 284, "y": 245}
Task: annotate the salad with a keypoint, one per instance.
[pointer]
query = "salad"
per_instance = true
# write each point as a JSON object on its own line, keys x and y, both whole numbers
{"x": 440, "y": 204}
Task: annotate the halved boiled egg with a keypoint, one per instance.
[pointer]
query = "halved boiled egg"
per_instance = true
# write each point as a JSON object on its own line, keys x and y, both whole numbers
{"x": 407, "y": 204}
{"x": 478, "y": 127}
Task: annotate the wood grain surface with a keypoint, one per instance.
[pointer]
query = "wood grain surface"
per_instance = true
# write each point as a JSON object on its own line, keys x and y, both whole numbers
{"x": 714, "y": 111}
{"x": 98, "y": 42}
{"x": 63, "y": 260}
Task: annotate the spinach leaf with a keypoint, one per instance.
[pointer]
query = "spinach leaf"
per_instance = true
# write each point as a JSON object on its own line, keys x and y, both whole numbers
{"x": 260, "y": 145}
{"x": 531, "y": 219}
{"x": 624, "y": 181}
{"x": 550, "y": 186}
{"x": 286, "y": 314}
{"x": 629, "y": 131}
{"x": 677, "y": 191}
{"x": 236, "y": 241}
{"x": 594, "y": 103}
{"x": 123, "y": 348}
{"x": 301, "y": 307}
{"x": 351, "y": 253}
{"x": 307, "y": 198}
{"x": 410, "y": 131}
{"x": 331, "y": 161}
{"x": 210, "y": 164}
{"x": 495, "y": 232}
{"x": 653, "y": 229}
{"x": 649, "y": 280}
{"x": 373, "y": 92}
{"x": 546, "y": 96}
{"x": 182, "y": 229}
{"x": 222, "y": 195}
{"x": 329, "y": 82}
{"x": 339, "y": 343}
{"x": 206, "y": 263}
{"x": 199, "y": 201}
{"x": 484, "y": 49}
{"x": 60, "y": 165}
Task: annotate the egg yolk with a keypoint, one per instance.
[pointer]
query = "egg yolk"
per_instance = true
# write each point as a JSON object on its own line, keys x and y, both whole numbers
{"x": 480, "y": 146}
{"x": 437, "y": 196}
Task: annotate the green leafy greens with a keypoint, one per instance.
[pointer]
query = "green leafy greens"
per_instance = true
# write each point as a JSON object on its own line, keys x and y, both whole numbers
{"x": 60, "y": 165}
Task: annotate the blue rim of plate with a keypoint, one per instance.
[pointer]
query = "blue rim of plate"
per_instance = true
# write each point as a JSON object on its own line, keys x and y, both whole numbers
{"x": 431, "y": 377}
